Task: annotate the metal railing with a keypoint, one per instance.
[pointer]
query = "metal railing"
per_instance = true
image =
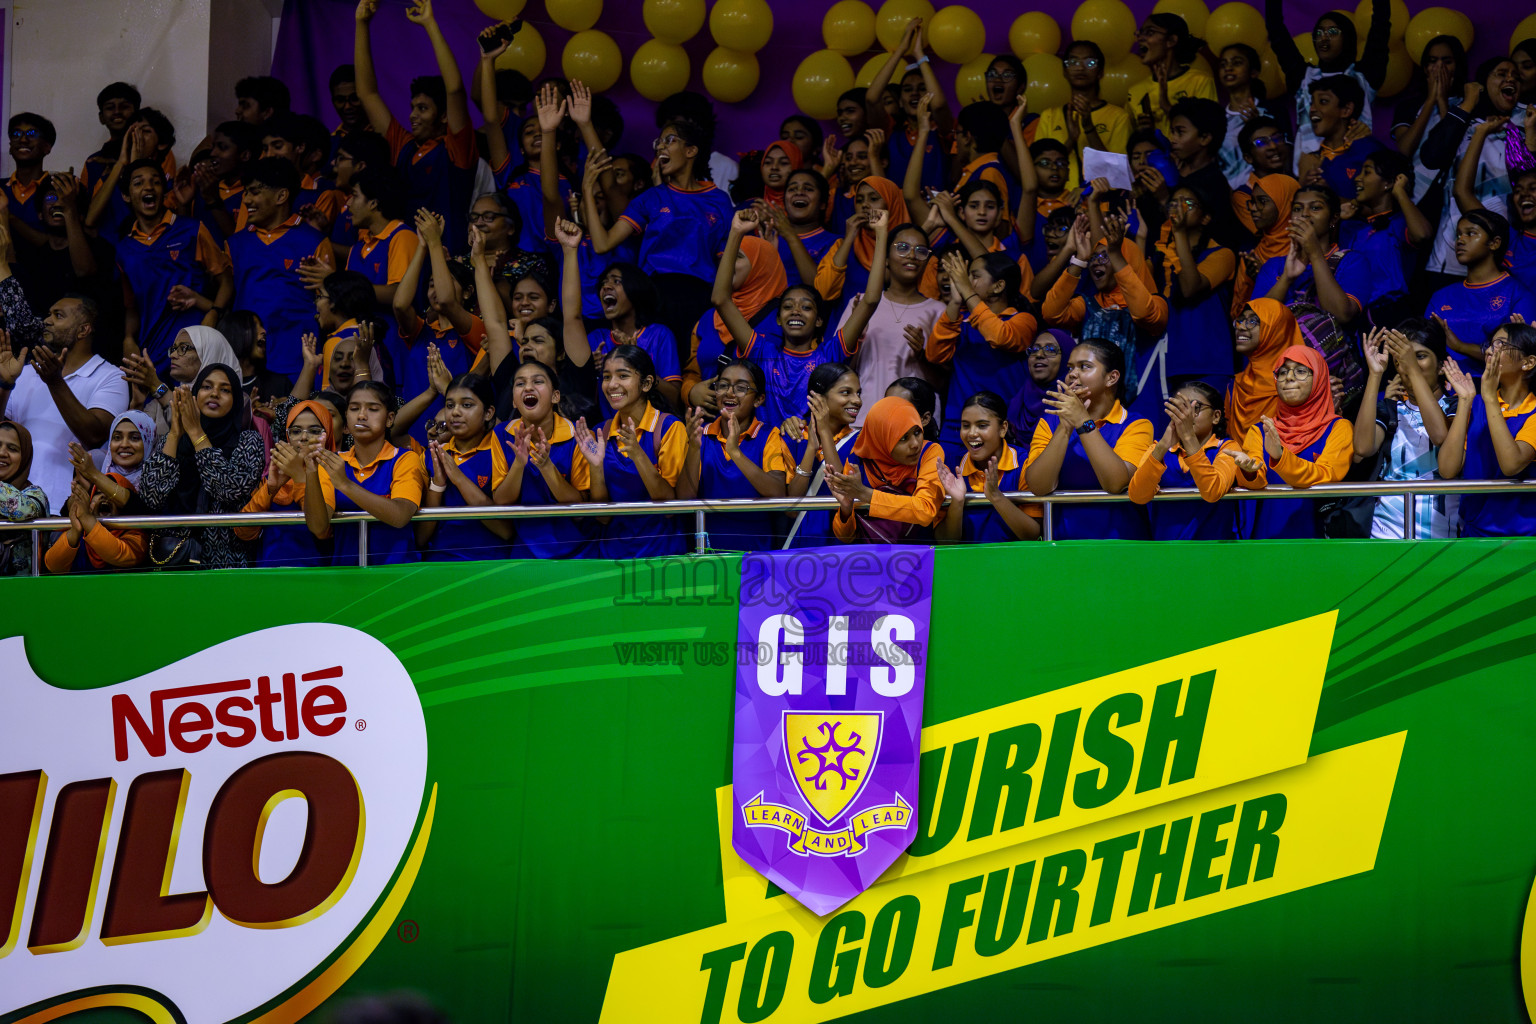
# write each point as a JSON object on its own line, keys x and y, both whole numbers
{"x": 699, "y": 508}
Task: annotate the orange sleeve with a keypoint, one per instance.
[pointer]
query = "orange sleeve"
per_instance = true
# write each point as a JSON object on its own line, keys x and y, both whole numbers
{"x": 1037, "y": 442}
{"x": 210, "y": 253}
{"x": 461, "y": 147}
{"x": 1135, "y": 441}
{"x": 1212, "y": 479}
{"x": 60, "y": 556}
{"x": 1146, "y": 481}
{"x": 1527, "y": 431}
{"x": 402, "y": 246}
{"x": 1253, "y": 444}
{"x": 1026, "y": 274}
{"x": 942, "y": 340}
{"x": 120, "y": 550}
{"x": 775, "y": 455}
{"x": 398, "y": 138}
{"x": 1218, "y": 268}
{"x": 671, "y": 450}
{"x": 830, "y": 278}
{"x": 1063, "y": 307}
{"x": 261, "y": 501}
{"x": 843, "y": 529}
{"x": 1150, "y": 312}
{"x": 475, "y": 339}
{"x": 920, "y": 507}
{"x": 1331, "y": 465}
{"x": 410, "y": 478}
{"x": 1011, "y": 335}
{"x": 581, "y": 473}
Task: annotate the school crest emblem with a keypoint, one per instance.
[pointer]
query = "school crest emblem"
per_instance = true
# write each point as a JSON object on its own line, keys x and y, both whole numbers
{"x": 830, "y": 756}
{"x": 1498, "y": 302}
{"x": 175, "y": 254}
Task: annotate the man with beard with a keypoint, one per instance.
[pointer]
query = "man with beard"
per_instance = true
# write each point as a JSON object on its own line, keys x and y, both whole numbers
{"x": 64, "y": 392}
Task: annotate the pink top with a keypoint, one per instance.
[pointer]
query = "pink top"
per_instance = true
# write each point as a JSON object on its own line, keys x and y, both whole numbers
{"x": 884, "y": 354}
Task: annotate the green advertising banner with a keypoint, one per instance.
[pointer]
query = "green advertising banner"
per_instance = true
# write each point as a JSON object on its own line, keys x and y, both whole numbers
{"x": 1276, "y": 781}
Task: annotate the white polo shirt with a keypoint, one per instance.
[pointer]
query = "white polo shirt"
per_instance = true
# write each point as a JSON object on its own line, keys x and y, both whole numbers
{"x": 97, "y": 384}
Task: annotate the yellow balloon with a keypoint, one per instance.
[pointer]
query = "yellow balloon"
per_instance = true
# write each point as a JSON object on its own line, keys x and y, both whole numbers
{"x": 849, "y": 27}
{"x": 971, "y": 80}
{"x": 1119, "y": 76}
{"x": 501, "y": 10}
{"x": 1047, "y": 84}
{"x": 743, "y": 25}
{"x": 1523, "y": 31}
{"x": 525, "y": 54}
{"x": 1303, "y": 41}
{"x": 956, "y": 34}
{"x": 871, "y": 68}
{"x": 1194, "y": 13}
{"x": 1362, "y": 19}
{"x": 819, "y": 80}
{"x": 1436, "y": 21}
{"x": 576, "y": 15}
{"x": 1034, "y": 32}
{"x": 730, "y": 76}
{"x": 593, "y": 58}
{"x": 673, "y": 21}
{"x": 1271, "y": 74}
{"x": 1234, "y": 22}
{"x": 1399, "y": 71}
{"x": 891, "y": 20}
{"x": 1108, "y": 23}
{"x": 659, "y": 69}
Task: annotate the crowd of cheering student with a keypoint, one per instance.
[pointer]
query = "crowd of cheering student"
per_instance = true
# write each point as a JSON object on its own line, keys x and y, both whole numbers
{"x": 921, "y": 305}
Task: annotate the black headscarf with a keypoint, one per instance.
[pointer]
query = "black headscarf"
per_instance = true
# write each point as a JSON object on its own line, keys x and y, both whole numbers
{"x": 223, "y": 433}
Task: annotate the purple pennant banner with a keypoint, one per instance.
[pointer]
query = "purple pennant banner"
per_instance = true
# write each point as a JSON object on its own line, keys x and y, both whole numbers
{"x": 829, "y": 712}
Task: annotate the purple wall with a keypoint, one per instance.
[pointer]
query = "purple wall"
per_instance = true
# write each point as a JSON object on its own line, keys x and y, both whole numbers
{"x": 316, "y": 35}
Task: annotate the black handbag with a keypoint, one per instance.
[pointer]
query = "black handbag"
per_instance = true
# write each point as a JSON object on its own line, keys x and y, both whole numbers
{"x": 168, "y": 551}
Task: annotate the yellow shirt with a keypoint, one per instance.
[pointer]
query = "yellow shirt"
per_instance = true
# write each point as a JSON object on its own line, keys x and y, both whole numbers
{"x": 1191, "y": 83}
{"x": 1114, "y": 126}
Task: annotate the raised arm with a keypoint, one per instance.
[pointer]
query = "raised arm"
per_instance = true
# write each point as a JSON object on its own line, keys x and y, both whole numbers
{"x": 1024, "y": 224}
{"x": 453, "y": 81}
{"x": 1369, "y": 433}
{"x": 912, "y": 181}
{"x": 551, "y": 112}
{"x": 1466, "y": 169}
{"x": 742, "y": 224}
{"x": 493, "y": 313}
{"x": 874, "y": 96}
{"x": 379, "y": 117}
{"x": 499, "y": 156}
{"x": 404, "y": 304}
{"x": 1452, "y": 457}
{"x": 578, "y": 348}
{"x": 864, "y": 308}
{"x": 1286, "y": 52}
{"x": 604, "y": 239}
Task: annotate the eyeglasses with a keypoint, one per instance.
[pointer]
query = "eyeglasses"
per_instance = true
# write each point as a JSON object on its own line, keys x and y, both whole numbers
{"x": 1080, "y": 62}
{"x": 1147, "y": 31}
{"x": 315, "y": 432}
{"x": 1249, "y": 319}
{"x": 922, "y": 252}
{"x": 1293, "y": 373}
{"x": 486, "y": 217}
{"x": 1043, "y": 350}
{"x": 1099, "y": 257}
{"x": 181, "y": 349}
{"x": 1265, "y": 141}
{"x": 1001, "y": 75}
{"x": 23, "y": 133}
{"x": 1332, "y": 32}
{"x": 741, "y": 387}
{"x": 1198, "y": 406}
{"x": 1188, "y": 203}
{"x": 1048, "y": 164}
{"x": 665, "y": 141}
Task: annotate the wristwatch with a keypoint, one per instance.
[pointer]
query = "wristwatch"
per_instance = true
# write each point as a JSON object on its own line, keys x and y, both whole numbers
{"x": 161, "y": 391}
{"x": 1088, "y": 427}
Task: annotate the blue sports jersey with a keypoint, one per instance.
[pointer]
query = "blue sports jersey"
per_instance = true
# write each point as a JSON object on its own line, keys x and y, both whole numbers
{"x": 267, "y": 282}
{"x": 1474, "y": 311}
{"x": 1521, "y": 260}
{"x": 1360, "y": 276}
{"x": 787, "y": 374}
{"x": 1340, "y": 172}
{"x": 526, "y": 191}
{"x": 1496, "y": 515}
{"x": 818, "y": 243}
{"x": 681, "y": 232}
{"x": 656, "y": 340}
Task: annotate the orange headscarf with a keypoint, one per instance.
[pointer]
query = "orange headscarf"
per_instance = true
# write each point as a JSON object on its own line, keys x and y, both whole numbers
{"x": 775, "y": 196}
{"x": 888, "y": 421}
{"x": 1253, "y": 389}
{"x": 765, "y": 282}
{"x": 890, "y": 193}
{"x": 322, "y": 413}
{"x": 1300, "y": 425}
{"x": 1281, "y": 189}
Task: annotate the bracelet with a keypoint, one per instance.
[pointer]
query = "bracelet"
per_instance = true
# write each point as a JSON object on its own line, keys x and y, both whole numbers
{"x": 918, "y": 63}
{"x": 437, "y": 488}
{"x": 801, "y": 472}
{"x": 199, "y": 440}
{"x": 1078, "y": 262}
